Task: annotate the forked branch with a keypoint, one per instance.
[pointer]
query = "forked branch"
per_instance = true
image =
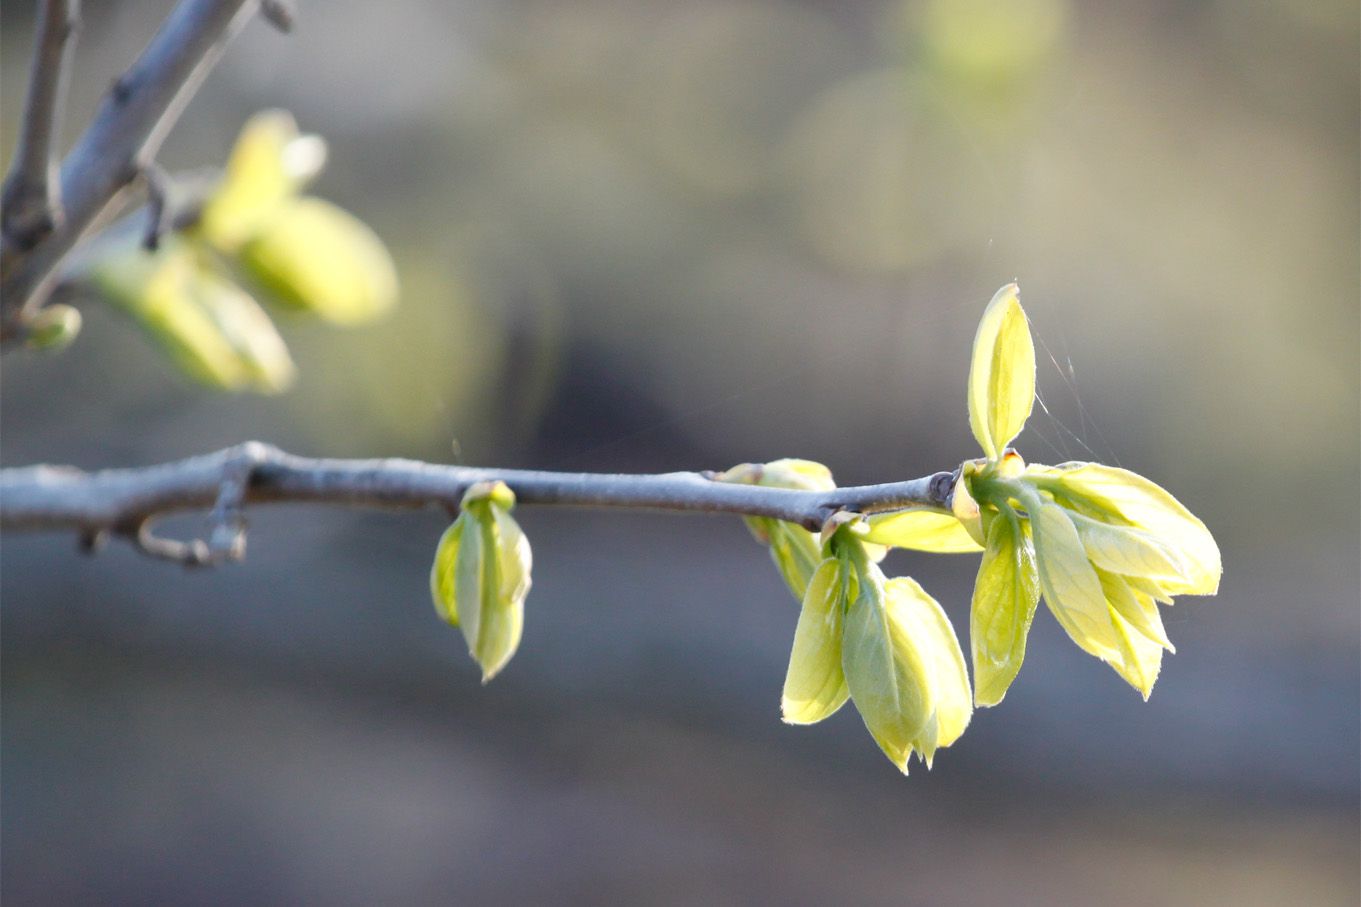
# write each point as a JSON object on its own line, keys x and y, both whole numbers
{"x": 30, "y": 203}
{"x": 126, "y": 132}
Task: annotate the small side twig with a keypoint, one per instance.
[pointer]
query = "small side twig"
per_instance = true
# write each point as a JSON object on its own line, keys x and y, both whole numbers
{"x": 193, "y": 553}
{"x": 31, "y": 198}
{"x": 227, "y": 537}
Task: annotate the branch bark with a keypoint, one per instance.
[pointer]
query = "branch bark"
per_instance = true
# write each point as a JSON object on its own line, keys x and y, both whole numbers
{"x": 128, "y": 501}
{"x": 124, "y": 135}
{"x": 31, "y": 198}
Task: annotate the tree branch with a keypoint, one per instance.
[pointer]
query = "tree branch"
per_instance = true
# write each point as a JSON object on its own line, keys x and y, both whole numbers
{"x": 125, "y": 133}
{"x": 31, "y": 199}
{"x": 127, "y": 501}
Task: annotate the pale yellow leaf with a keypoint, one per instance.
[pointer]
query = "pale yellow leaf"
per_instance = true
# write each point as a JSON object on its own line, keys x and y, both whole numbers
{"x": 1004, "y": 598}
{"x": 920, "y": 530}
{"x": 814, "y": 685}
{"x": 1070, "y": 585}
{"x": 1002, "y": 374}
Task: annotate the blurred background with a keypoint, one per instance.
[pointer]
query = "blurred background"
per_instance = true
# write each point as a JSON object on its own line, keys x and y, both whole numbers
{"x": 654, "y": 236}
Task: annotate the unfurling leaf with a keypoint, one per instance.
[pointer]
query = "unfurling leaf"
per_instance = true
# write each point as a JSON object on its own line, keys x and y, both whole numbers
{"x": 1004, "y": 599}
{"x": 951, "y": 698}
{"x": 903, "y": 667}
{"x": 1129, "y": 498}
{"x": 1070, "y": 584}
{"x": 814, "y": 685}
{"x": 1002, "y": 374}
{"x": 481, "y": 575}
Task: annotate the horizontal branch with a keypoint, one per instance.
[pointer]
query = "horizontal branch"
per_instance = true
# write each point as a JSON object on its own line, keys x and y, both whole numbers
{"x": 127, "y": 501}
{"x": 124, "y": 135}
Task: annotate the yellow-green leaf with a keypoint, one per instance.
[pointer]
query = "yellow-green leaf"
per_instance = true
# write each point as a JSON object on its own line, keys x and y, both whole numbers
{"x": 442, "y": 572}
{"x": 920, "y": 530}
{"x": 1004, "y": 598}
{"x": 315, "y": 256}
{"x": 1150, "y": 508}
{"x": 1070, "y": 585}
{"x": 1002, "y": 374}
{"x": 1140, "y": 657}
{"x": 934, "y": 637}
{"x": 515, "y": 556}
{"x": 1128, "y": 551}
{"x": 814, "y": 685}
{"x": 885, "y": 672}
{"x": 1135, "y": 607}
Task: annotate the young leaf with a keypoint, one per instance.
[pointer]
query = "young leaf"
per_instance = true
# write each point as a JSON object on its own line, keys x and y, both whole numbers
{"x": 1140, "y": 657}
{"x": 920, "y": 530}
{"x": 931, "y": 632}
{"x": 886, "y": 675}
{"x": 1004, "y": 599}
{"x": 1002, "y": 375}
{"x": 1128, "y": 551}
{"x": 516, "y": 559}
{"x": 442, "y": 572}
{"x": 1070, "y": 585}
{"x": 269, "y": 163}
{"x": 1135, "y": 608}
{"x": 815, "y": 686}
{"x": 1148, "y": 507}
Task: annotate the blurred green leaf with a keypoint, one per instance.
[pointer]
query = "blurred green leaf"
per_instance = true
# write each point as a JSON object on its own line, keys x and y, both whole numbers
{"x": 312, "y": 255}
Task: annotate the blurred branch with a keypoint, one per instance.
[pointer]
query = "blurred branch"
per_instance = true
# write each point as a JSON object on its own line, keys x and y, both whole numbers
{"x": 31, "y": 198}
{"x": 126, "y": 502}
{"x": 126, "y": 132}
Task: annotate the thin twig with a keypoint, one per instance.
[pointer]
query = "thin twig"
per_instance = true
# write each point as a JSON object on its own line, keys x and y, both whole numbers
{"x": 126, "y": 132}
{"x": 127, "y": 501}
{"x": 31, "y": 198}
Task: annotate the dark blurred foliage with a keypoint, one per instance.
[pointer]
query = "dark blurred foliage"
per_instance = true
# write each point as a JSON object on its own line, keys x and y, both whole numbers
{"x": 646, "y": 236}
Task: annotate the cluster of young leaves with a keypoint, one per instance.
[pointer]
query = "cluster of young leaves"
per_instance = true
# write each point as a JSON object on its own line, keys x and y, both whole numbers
{"x": 256, "y": 238}
{"x": 1102, "y": 546}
